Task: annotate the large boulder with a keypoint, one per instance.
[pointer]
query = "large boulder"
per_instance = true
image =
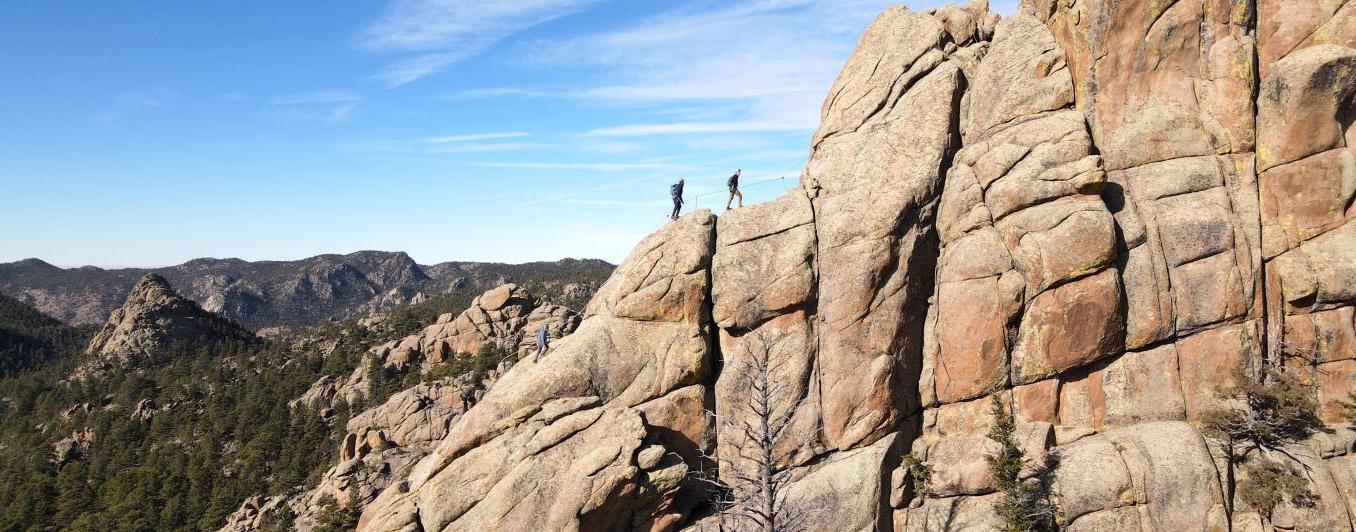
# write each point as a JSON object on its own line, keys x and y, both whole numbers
{"x": 565, "y": 442}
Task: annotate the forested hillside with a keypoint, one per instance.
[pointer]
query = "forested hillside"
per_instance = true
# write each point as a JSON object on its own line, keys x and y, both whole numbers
{"x": 29, "y": 338}
{"x": 177, "y": 439}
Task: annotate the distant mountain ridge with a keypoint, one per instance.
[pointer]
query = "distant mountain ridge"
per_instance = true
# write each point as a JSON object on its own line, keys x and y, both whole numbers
{"x": 270, "y": 293}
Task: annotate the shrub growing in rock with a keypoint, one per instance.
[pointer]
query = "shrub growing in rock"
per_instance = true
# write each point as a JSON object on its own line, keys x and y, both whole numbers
{"x": 1272, "y": 411}
{"x": 478, "y": 365}
{"x": 335, "y": 518}
{"x": 1276, "y": 411}
{"x": 1269, "y": 482}
{"x": 1025, "y": 505}
{"x": 921, "y": 474}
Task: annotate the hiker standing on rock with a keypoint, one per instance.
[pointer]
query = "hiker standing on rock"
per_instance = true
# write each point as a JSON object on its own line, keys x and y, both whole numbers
{"x": 733, "y": 183}
{"x": 676, "y": 190}
{"x": 541, "y": 345}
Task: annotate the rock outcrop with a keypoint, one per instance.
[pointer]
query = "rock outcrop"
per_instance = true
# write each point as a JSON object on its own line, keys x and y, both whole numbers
{"x": 1100, "y": 213}
{"x": 506, "y": 317}
{"x": 154, "y": 318}
{"x": 381, "y": 446}
{"x": 598, "y": 435}
{"x": 384, "y": 442}
{"x": 72, "y": 448}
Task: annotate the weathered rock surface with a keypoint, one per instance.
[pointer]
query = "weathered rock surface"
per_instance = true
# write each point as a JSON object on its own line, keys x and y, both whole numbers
{"x": 153, "y": 319}
{"x": 507, "y": 317}
{"x": 1217, "y": 197}
{"x": 563, "y": 443}
{"x": 72, "y": 448}
{"x": 874, "y": 175}
{"x": 382, "y": 444}
{"x": 1098, "y": 211}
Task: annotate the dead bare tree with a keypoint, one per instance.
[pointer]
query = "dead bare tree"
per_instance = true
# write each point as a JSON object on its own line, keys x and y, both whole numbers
{"x": 754, "y": 494}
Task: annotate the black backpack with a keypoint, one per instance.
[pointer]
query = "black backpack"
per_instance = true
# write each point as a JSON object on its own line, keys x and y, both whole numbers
{"x": 675, "y": 190}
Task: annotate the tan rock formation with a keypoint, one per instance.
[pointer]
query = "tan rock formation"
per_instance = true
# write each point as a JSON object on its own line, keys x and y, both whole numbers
{"x": 558, "y": 444}
{"x": 155, "y": 317}
{"x": 1099, "y": 211}
{"x": 381, "y": 446}
{"x": 507, "y": 317}
{"x": 384, "y": 442}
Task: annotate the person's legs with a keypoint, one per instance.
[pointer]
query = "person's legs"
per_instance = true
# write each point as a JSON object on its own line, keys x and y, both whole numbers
{"x": 730, "y": 199}
{"x": 740, "y": 195}
{"x": 677, "y": 205}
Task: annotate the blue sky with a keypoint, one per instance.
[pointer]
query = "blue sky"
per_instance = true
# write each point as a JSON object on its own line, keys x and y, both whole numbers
{"x": 151, "y": 133}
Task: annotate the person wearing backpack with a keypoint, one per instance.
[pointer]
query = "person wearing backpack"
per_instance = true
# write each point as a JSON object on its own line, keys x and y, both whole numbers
{"x": 676, "y": 190}
{"x": 733, "y": 183}
{"x": 542, "y": 345}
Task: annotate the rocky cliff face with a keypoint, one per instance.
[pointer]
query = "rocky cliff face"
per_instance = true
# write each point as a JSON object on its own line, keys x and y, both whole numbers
{"x": 154, "y": 318}
{"x": 385, "y": 441}
{"x": 1095, "y": 211}
{"x": 271, "y": 293}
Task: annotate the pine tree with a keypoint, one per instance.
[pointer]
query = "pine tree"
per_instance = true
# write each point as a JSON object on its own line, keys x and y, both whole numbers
{"x": 1025, "y": 504}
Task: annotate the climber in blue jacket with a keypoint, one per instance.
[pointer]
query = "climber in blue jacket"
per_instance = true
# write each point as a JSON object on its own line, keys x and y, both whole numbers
{"x": 541, "y": 345}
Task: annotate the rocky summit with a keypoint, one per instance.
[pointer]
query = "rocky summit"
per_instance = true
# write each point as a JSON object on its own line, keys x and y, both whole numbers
{"x": 154, "y": 318}
{"x": 1092, "y": 219}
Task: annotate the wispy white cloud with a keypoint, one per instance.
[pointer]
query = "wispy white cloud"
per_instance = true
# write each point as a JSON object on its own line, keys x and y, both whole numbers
{"x": 317, "y": 97}
{"x": 340, "y": 114}
{"x": 333, "y": 115}
{"x": 602, "y": 167}
{"x": 464, "y": 143}
{"x": 325, "y": 106}
{"x": 760, "y": 60}
{"x": 408, "y": 70}
{"x": 593, "y": 202}
{"x": 499, "y": 92}
{"x": 472, "y": 137}
{"x": 610, "y": 147}
{"x": 444, "y": 32}
{"x": 681, "y": 128}
{"x": 477, "y": 147}
{"x": 576, "y": 196}
{"x": 131, "y": 102}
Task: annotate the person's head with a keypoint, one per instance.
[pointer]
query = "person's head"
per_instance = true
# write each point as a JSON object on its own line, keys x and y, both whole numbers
{"x": 738, "y": 171}
{"x": 680, "y": 180}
